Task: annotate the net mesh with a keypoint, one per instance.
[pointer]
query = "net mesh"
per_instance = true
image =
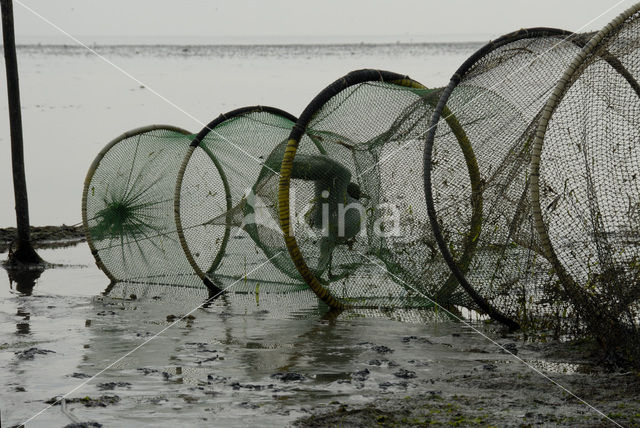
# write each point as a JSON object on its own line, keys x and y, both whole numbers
{"x": 498, "y": 95}
{"x": 588, "y": 193}
{"x": 235, "y": 233}
{"x": 128, "y": 207}
{"x": 358, "y": 213}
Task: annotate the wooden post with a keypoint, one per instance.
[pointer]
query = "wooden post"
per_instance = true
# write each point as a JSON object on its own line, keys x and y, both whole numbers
{"x": 24, "y": 252}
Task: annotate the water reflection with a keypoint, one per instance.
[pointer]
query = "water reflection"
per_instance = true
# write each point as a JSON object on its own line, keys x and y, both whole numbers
{"x": 23, "y": 326}
{"x": 240, "y": 334}
{"x": 25, "y": 279}
{"x": 253, "y": 334}
{"x": 245, "y": 355}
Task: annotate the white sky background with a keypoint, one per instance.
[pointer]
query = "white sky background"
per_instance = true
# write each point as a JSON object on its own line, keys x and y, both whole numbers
{"x": 291, "y": 21}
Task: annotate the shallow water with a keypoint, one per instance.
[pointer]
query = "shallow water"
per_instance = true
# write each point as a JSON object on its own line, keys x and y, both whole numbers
{"x": 217, "y": 366}
{"x": 262, "y": 359}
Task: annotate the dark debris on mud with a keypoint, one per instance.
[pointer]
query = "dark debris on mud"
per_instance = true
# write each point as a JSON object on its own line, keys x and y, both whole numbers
{"x": 288, "y": 377}
{"x": 110, "y": 386}
{"x": 405, "y": 374}
{"x": 499, "y": 398}
{"x": 29, "y": 354}
{"x": 84, "y": 425}
{"x": 102, "y": 401}
{"x": 147, "y": 370}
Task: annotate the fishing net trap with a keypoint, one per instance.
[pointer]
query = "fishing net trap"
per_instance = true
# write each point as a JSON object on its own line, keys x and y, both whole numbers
{"x": 585, "y": 187}
{"x": 226, "y": 202}
{"x": 351, "y": 203}
{"x": 127, "y": 207}
{"x": 484, "y": 225}
{"x": 162, "y": 206}
{"x": 392, "y": 195}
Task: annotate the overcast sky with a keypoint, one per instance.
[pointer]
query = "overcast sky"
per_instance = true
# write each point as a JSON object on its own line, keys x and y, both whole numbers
{"x": 224, "y": 21}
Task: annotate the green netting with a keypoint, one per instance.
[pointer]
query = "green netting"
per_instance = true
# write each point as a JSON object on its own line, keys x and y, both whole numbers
{"x": 586, "y": 189}
{"x": 234, "y": 233}
{"x": 359, "y": 232}
{"x": 128, "y": 207}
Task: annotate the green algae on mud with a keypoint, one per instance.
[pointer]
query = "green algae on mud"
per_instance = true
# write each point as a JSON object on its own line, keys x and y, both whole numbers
{"x": 495, "y": 407}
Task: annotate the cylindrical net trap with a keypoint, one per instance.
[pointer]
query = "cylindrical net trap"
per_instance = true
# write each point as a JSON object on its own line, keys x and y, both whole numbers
{"x": 351, "y": 198}
{"x": 127, "y": 207}
{"x": 585, "y": 185}
{"x": 226, "y": 202}
{"x": 498, "y": 95}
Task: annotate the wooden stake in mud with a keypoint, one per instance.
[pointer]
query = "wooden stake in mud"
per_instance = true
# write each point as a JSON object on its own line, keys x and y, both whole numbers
{"x": 24, "y": 252}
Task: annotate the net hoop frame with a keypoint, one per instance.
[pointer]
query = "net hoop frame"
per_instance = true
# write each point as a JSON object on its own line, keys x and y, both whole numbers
{"x": 571, "y": 74}
{"x": 351, "y": 79}
{"x": 229, "y": 201}
{"x": 441, "y": 111}
{"x": 92, "y": 170}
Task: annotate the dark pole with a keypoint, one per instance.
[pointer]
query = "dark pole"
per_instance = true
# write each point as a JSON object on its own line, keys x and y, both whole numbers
{"x": 24, "y": 252}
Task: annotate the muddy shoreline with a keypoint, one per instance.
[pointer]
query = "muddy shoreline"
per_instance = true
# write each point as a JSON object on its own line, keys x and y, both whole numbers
{"x": 274, "y": 360}
{"x": 44, "y": 236}
{"x": 491, "y": 396}
{"x": 504, "y": 393}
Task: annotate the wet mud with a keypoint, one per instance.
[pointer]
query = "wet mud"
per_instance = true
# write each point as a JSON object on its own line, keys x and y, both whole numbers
{"x": 150, "y": 355}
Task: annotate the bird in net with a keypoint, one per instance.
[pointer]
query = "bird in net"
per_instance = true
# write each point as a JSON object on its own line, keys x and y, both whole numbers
{"x": 226, "y": 202}
{"x": 484, "y": 224}
{"x": 356, "y": 224}
{"x": 585, "y": 187}
{"x": 127, "y": 207}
